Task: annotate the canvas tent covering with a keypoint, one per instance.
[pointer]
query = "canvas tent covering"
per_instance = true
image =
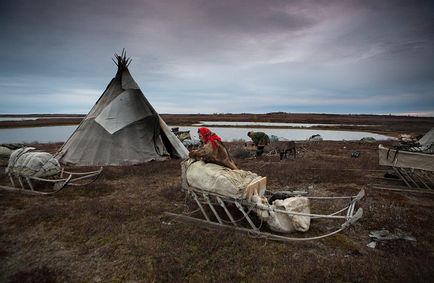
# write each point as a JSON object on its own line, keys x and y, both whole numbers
{"x": 427, "y": 141}
{"x": 121, "y": 128}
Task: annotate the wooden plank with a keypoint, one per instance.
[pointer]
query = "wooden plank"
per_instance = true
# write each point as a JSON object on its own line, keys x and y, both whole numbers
{"x": 258, "y": 234}
{"x": 12, "y": 189}
{"x": 258, "y": 187}
{"x": 397, "y": 189}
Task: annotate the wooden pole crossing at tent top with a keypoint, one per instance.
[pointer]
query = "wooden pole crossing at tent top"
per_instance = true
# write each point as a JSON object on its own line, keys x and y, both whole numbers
{"x": 122, "y": 60}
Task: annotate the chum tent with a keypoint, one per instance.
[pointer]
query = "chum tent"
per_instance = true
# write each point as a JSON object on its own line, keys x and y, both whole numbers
{"x": 121, "y": 128}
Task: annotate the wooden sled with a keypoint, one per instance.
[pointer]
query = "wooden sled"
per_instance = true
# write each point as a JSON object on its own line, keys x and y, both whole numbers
{"x": 414, "y": 169}
{"x": 27, "y": 183}
{"x": 218, "y": 211}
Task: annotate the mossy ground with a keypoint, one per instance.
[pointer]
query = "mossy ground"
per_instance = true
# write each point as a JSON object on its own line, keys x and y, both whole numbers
{"x": 112, "y": 230}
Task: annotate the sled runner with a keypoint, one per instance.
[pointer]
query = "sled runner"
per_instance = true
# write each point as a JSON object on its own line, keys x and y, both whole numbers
{"x": 246, "y": 212}
{"x": 28, "y": 169}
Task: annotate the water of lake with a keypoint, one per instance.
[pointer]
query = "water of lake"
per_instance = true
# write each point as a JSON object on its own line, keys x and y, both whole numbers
{"x": 17, "y": 119}
{"x": 230, "y": 134}
{"x": 61, "y": 133}
{"x": 7, "y": 119}
{"x": 272, "y": 124}
{"x": 36, "y": 134}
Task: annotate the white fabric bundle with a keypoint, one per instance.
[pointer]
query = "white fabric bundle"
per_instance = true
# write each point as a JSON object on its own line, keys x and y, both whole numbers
{"x": 218, "y": 179}
{"x": 26, "y": 162}
{"x": 5, "y": 152}
{"x": 285, "y": 223}
{"x": 234, "y": 183}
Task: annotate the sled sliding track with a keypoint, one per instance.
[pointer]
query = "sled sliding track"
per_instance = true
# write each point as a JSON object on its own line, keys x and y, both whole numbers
{"x": 216, "y": 212}
{"x": 27, "y": 184}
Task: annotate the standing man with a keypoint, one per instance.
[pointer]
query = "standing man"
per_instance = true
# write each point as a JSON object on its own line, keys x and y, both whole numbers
{"x": 260, "y": 139}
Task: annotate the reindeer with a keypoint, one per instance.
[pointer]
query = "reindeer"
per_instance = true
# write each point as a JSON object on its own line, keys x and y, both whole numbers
{"x": 285, "y": 147}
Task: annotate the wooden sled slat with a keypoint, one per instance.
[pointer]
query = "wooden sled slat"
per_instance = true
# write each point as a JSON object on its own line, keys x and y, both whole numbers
{"x": 66, "y": 178}
{"x": 32, "y": 191}
{"x": 257, "y": 187}
{"x": 259, "y": 234}
{"x": 402, "y": 189}
{"x": 204, "y": 198}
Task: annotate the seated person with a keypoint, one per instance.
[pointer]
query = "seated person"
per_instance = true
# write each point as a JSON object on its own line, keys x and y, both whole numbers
{"x": 260, "y": 139}
{"x": 212, "y": 150}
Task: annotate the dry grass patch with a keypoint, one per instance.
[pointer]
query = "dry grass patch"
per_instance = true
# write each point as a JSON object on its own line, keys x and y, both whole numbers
{"x": 112, "y": 230}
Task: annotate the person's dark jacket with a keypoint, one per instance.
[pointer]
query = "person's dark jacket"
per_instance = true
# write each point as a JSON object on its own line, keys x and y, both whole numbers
{"x": 260, "y": 138}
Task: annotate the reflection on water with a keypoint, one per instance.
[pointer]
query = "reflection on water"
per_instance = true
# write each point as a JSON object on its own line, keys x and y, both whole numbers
{"x": 4, "y": 119}
{"x": 61, "y": 133}
{"x": 17, "y": 118}
{"x": 37, "y": 134}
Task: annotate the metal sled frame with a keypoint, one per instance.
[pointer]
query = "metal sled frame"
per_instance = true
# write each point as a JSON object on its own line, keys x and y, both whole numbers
{"x": 205, "y": 199}
{"x": 27, "y": 186}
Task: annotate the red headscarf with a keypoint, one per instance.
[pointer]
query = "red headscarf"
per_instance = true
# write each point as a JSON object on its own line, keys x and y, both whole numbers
{"x": 209, "y": 136}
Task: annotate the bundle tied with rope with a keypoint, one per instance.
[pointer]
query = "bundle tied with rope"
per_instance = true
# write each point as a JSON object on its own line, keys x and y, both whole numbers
{"x": 27, "y": 161}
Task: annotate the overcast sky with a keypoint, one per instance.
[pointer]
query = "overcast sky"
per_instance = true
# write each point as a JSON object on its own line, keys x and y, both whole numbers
{"x": 222, "y": 56}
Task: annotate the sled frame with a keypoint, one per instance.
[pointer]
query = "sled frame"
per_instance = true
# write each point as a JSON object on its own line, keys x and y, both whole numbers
{"x": 212, "y": 218}
{"x": 415, "y": 178}
{"x": 26, "y": 185}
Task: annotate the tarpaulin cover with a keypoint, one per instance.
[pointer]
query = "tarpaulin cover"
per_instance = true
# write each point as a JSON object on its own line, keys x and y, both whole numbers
{"x": 218, "y": 179}
{"x": 5, "y": 152}
{"x": 405, "y": 159}
{"x": 122, "y": 128}
{"x": 428, "y": 139}
{"x": 26, "y": 162}
{"x": 281, "y": 222}
{"x": 125, "y": 109}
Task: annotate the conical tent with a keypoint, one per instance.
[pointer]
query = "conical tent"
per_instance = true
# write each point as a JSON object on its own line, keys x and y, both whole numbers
{"x": 428, "y": 139}
{"x": 121, "y": 128}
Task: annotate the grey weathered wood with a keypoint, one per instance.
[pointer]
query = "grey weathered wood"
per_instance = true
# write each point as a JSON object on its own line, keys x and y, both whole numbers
{"x": 212, "y": 209}
{"x": 58, "y": 184}
{"x": 398, "y": 189}
{"x": 30, "y": 183}
{"x": 222, "y": 204}
{"x": 200, "y": 206}
{"x": 258, "y": 233}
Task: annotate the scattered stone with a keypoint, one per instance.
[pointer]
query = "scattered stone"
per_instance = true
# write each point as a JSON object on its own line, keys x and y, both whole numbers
{"x": 355, "y": 154}
{"x": 368, "y": 139}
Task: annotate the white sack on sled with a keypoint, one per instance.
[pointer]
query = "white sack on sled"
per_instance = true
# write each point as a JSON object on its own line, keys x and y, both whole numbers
{"x": 284, "y": 223}
{"x": 5, "y": 152}
{"x": 214, "y": 178}
{"x": 26, "y": 162}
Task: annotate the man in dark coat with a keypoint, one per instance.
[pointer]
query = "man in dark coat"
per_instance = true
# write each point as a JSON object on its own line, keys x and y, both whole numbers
{"x": 260, "y": 139}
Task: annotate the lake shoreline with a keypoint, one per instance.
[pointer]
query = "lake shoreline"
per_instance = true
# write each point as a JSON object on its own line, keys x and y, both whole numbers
{"x": 61, "y": 133}
{"x": 380, "y": 124}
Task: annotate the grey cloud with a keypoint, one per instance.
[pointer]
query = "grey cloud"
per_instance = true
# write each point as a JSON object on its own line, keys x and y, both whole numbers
{"x": 211, "y": 50}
